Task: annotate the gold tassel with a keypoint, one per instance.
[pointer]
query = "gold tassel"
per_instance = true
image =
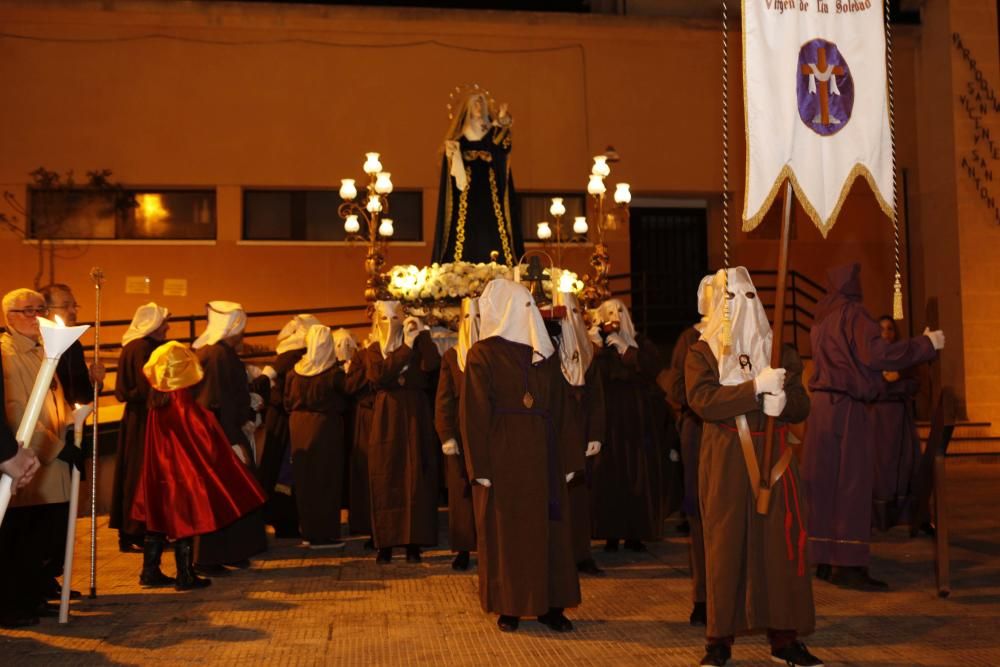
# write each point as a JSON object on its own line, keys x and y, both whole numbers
{"x": 897, "y": 299}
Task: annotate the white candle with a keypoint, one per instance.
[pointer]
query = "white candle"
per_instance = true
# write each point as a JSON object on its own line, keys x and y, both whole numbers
{"x": 56, "y": 338}
{"x": 79, "y": 418}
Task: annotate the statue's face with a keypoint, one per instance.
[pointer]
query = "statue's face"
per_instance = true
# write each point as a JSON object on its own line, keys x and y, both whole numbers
{"x": 477, "y": 107}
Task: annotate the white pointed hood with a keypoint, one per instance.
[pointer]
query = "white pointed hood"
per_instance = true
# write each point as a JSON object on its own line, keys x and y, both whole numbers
{"x": 387, "y": 326}
{"x": 225, "y": 319}
{"x": 147, "y": 319}
{"x": 319, "y": 355}
{"x": 507, "y": 310}
{"x": 468, "y": 330}
{"x": 293, "y": 335}
{"x": 751, "y": 349}
{"x": 344, "y": 344}
{"x": 576, "y": 351}
{"x": 704, "y": 300}
{"x": 613, "y": 311}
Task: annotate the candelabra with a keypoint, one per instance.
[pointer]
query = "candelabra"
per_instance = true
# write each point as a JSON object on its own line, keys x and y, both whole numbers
{"x": 597, "y": 288}
{"x": 372, "y": 212}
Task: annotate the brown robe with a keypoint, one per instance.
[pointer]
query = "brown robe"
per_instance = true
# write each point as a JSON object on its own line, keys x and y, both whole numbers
{"x": 225, "y": 391}
{"x": 358, "y": 387}
{"x": 273, "y": 461}
{"x": 132, "y": 389}
{"x": 627, "y": 498}
{"x": 583, "y": 423}
{"x": 403, "y": 457}
{"x": 461, "y": 517}
{"x": 524, "y": 535}
{"x": 690, "y": 434}
{"x": 757, "y": 577}
{"x": 315, "y": 408}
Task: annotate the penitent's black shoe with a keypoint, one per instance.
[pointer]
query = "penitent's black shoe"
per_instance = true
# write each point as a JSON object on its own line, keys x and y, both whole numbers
{"x": 589, "y": 567}
{"x": 461, "y": 561}
{"x": 11, "y": 620}
{"x": 857, "y": 578}
{"x": 716, "y": 655}
{"x": 383, "y": 556}
{"x": 684, "y": 528}
{"x": 636, "y": 546}
{"x": 795, "y": 655}
{"x": 554, "y": 619}
{"x": 699, "y": 614}
{"x": 824, "y": 571}
{"x": 508, "y": 623}
{"x": 413, "y": 554}
{"x": 611, "y": 546}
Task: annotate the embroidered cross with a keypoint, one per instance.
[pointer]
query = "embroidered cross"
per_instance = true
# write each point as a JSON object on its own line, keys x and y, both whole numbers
{"x": 826, "y": 75}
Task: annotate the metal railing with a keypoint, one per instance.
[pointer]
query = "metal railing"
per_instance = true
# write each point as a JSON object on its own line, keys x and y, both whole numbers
{"x": 801, "y": 296}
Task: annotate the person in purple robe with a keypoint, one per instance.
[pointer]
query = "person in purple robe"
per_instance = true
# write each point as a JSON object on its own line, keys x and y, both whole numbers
{"x": 897, "y": 444}
{"x": 849, "y": 356}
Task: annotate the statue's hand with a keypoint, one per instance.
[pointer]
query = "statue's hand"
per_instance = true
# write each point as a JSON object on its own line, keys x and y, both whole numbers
{"x": 504, "y": 110}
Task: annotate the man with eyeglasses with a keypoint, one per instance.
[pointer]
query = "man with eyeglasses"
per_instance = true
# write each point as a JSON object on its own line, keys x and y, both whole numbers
{"x": 76, "y": 378}
{"x": 33, "y": 534}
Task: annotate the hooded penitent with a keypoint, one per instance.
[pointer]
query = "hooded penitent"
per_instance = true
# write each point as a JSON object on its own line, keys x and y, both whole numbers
{"x": 468, "y": 329}
{"x": 293, "y": 335}
{"x": 751, "y": 348}
{"x": 387, "y": 326}
{"x": 172, "y": 366}
{"x": 613, "y": 311}
{"x": 147, "y": 319}
{"x": 344, "y": 344}
{"x": 225, "y": 319}
{"x": 575, "y": 350}
{"x": 507, "y": 310}
{"x": 843, "y": 285}
{"x": 319, "y": 354}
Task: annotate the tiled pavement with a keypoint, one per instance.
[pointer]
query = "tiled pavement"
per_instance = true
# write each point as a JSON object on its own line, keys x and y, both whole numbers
{"x": 298, "y": 607}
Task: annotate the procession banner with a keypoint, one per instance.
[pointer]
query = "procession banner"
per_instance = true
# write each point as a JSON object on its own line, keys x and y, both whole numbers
{"x": 816, "y": 104}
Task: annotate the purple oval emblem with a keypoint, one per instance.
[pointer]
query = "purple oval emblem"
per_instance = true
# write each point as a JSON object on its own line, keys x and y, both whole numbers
{"x": 825, "y": 87}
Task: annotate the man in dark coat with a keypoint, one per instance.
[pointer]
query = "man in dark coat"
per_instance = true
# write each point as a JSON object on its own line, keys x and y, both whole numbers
{"x": 849, "y": 355}
{"x": 520, "y": 460}
{"x": 225, "y": 391}
{"x": 147, "y": 330}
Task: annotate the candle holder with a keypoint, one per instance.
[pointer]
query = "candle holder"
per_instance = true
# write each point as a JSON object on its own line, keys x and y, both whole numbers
{"x": 602, "y": 212}
{"x": 366, "y": 221}
{"x": 551, "y": 234}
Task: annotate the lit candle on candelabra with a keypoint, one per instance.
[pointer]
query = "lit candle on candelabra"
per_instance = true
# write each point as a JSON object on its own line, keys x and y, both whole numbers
{"x": 348, "y": 190}
{"x": 622, "y": 193}
{"x": 601, "y": 167}
{"x": 383, "y": 183}
{"x": 596, "y": 185}
{"x": 544, "y": 231}
{"x": 80, "y": 414}
{"x": 372, "y": 165}
{"x": 56, "y": 338}
{"x": 385, "y": 228}
{"x": 580, "y": 225}
{"x": 351, "y": 224}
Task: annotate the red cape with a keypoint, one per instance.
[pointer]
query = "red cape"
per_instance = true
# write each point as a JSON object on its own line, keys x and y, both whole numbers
{"x": 192, "y": 483}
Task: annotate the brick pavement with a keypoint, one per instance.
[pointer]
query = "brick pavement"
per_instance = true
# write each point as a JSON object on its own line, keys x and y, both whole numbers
{"x": 296, "y": 607}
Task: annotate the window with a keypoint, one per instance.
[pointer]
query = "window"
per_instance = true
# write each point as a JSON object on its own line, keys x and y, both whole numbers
{"x": 135, "y": 214}
{"x": 535, "y": 209}
{"x": 311, "y": 215}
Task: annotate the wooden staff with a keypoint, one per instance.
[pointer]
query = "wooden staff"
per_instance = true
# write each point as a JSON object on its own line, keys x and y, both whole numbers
{"x": 764, "y": 496}
{"x": 97, "y": 275}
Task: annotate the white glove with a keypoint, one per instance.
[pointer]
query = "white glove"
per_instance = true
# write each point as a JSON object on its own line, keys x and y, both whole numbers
{"x": 256, "y": 402}
{"x": 616, "y": 341}
{"x": 674, "y": 456}
{"x": 450, "y": 447}
{"x": 593, "y": 448}
{"x": 769, "y": 381}
{"x": 270, "y": 373}
{"x": 570, "y": 476}
{"x": 484, "y": 482}
{"x": 937, "y": 338}
{"x": 774, "y": 404}
{"x": 239, "y": 454}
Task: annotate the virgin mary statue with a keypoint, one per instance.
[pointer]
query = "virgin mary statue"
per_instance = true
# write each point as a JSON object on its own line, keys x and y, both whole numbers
{"x": 477, "y": 206}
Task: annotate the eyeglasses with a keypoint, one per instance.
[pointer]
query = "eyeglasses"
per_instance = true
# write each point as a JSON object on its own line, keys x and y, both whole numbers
{"x": 30, "y": 312}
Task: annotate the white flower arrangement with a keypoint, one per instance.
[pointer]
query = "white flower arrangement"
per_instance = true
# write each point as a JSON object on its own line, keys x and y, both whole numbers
{"x": 435, "y": 292}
